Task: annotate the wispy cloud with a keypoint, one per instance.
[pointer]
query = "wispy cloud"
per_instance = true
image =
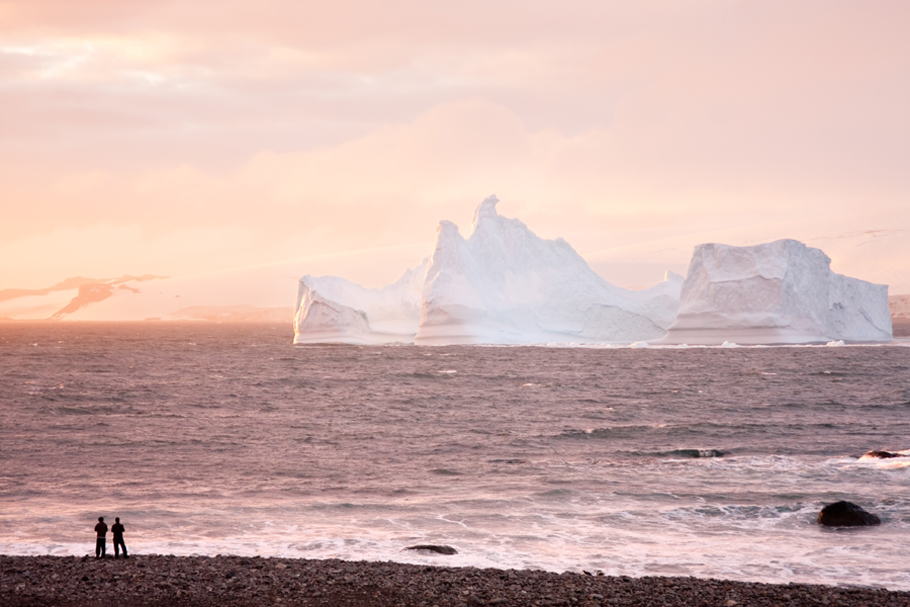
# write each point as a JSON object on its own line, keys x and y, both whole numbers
{"x": 358, "y": 124}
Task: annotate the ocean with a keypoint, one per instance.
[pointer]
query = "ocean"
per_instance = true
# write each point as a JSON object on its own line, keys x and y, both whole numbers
{"x": 226, "y": 439}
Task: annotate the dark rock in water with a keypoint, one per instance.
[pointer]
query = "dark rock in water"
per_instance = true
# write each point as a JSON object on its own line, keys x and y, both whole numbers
{"x": 846, "y": 514}
{"x": 433, "y": 548}
{"x": 880, "y": 455}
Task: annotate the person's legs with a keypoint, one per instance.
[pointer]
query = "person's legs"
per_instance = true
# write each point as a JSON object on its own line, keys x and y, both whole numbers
{"x": 116, "y": 548}
{"x": 122, "y": 545}
{"x": 99, "y": 547}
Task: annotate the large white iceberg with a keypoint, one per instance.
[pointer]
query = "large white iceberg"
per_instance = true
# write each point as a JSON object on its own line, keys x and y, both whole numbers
{"x": 782, "y": 292}
{"x": 501, "y": 285}
{"x": 505, "y": 285}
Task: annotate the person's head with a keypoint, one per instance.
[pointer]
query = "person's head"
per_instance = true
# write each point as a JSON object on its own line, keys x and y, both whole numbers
{"x": 116, "y": 519}
{"x": 100, "y": 519}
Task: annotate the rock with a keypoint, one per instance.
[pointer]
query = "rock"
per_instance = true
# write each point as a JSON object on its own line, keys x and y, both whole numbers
{"x": 434, "y": 548}
{"x": 880, "y": 455}
{"x": 846, "y": 514}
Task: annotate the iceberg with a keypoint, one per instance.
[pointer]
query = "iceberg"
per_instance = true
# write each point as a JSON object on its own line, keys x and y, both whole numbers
{"x": 333, "y": 310}
{"x": 782, "y": 292}
{"x": 501, "y": 285}
{"x": 505, "y": 285}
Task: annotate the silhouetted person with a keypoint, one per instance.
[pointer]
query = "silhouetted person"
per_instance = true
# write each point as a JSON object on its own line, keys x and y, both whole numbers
{"x": 101, "y": 541}
{"x": 117, "y": 530}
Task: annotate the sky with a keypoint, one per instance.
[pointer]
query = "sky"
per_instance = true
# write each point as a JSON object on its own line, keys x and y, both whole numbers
{"x": 173, "y": 138}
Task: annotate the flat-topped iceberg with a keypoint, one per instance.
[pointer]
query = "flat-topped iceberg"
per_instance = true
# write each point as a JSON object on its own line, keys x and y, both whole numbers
{"x": 501, "y": 285}
{"x": 782, "y": 292}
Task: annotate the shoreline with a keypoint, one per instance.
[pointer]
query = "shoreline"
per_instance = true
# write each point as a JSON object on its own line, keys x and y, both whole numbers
{"x": 199, "y": 581}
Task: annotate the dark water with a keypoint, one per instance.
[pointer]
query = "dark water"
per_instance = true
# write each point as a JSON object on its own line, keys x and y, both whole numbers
{"x": 227, "y": 439}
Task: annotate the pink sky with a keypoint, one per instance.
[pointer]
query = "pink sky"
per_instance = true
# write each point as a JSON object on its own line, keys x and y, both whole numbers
{"x": 172, "y": 138}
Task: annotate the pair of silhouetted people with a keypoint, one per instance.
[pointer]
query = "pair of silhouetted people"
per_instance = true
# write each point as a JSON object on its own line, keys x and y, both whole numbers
{"x": 101, "y": 541}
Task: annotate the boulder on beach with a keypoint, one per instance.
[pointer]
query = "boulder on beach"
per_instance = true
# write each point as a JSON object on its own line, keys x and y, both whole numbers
{"x": 846, "y": 514}
{"x": 433, "y": 548}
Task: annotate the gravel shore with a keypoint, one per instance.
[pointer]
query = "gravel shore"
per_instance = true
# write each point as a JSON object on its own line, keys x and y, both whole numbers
{"x": 152, "y": 580}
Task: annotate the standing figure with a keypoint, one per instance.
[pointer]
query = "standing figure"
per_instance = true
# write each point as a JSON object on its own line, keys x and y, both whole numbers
{"x": 101, "y": 541}
{"x": 117, "y": 530}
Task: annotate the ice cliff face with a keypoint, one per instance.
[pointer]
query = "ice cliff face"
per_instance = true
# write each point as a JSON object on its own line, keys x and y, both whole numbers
{"x": 779, "y": 292}
{"x": 505, "y": 285}
{"x": 501, "y": 285}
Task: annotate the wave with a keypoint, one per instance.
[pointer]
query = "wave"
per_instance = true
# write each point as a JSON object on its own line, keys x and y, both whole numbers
{"x": 606, "y": 433}
{"x": 694, "y": 453}
{"x": 88, "y": 410}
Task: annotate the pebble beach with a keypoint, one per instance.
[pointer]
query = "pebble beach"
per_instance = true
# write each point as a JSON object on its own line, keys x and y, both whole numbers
{"x": 154, "y": 580}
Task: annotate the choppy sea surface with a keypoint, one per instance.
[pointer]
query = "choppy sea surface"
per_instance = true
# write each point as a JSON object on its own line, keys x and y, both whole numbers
{"x": 219, "y": 439}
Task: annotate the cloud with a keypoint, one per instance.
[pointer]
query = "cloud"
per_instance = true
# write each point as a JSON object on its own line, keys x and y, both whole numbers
{"x": 387, "y": 188}
{"x": 112, "y": 249}
{"x": 320, "y": 128}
